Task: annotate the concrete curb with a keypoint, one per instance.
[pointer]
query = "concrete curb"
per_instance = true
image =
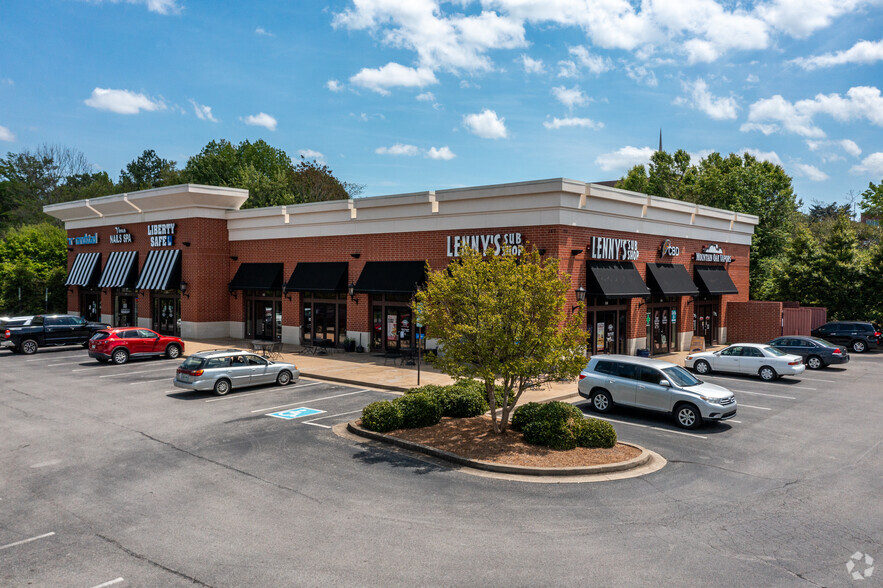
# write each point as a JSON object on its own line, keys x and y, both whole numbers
{"x": 359, "y": 383}
{"x": 633, "y": 463}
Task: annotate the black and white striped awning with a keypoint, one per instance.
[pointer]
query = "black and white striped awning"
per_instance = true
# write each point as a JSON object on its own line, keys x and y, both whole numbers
{"x": 161, "y": 271}
{"x": 83, "y": 271}
{"x": 120, "y": 270}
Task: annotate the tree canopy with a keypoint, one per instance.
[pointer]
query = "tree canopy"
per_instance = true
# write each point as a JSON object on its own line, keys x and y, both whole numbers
{"x": 33, "y": 258}
{"x": 502, "y": 320}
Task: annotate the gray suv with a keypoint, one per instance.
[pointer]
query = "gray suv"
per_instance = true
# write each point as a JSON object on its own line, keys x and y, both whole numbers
{"x": 651, "y": 384}
{"x": 222, "y": 370}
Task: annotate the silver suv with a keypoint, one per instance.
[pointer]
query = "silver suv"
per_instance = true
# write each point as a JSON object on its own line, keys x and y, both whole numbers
{"x": 657, "y": 385}
{"x": 221, "y": 370}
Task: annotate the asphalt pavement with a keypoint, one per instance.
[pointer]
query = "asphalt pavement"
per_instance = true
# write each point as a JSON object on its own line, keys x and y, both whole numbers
{"x": 112, "y": 477}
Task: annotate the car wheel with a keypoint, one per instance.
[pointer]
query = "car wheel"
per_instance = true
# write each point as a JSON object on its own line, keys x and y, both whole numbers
{"x": 601, "y": 401}
{"x": 814, "y": 363}
{"x": 29, "y": 347}
{"x": 767, "y": 374}
{"x": 173, "y": 351}
{"x": 859, "y": 346}
{"x": 222, "y": 386}
{"x": 702, "y": 367}
{"x": 687, "y": 416}
{"x": 284, "y": 378}
{"x": 120, "y": 356}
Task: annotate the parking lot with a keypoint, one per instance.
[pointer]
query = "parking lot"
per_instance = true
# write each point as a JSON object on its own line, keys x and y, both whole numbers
{"x": 112, "y": 476}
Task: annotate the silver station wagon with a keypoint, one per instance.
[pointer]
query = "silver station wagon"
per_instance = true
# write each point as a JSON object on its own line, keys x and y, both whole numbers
{"x": 652, "y": 384}
{"x": 222, "y": 370}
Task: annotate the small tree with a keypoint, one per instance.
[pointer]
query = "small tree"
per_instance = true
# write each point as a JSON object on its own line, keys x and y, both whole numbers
{"x": 502, "y": 320}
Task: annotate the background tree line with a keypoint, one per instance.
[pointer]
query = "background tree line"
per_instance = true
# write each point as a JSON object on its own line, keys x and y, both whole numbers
{"x": 821, "y": 257}
{"x": 33, "y": 257}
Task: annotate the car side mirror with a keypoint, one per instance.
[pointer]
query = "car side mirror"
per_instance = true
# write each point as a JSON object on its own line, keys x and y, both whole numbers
{"x": 664, "y": 383}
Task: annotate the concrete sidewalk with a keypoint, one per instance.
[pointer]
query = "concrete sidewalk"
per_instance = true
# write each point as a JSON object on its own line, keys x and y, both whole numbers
{"x": 372, "y": 370}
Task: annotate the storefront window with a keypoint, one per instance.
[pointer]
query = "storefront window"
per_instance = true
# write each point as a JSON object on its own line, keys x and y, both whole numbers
{"x": 607, "y": 325}
{"x": 263, "y": 316}
{"x": 90, "y": 304}
{"x": 324, "y": 318}
{"x": 393, "y": 323}
{"x": 125, "y": 313}
{"x": 166, "y": 316}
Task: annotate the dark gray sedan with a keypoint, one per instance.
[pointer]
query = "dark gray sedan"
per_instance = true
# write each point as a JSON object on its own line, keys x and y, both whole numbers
{"x": 816, "y": 353}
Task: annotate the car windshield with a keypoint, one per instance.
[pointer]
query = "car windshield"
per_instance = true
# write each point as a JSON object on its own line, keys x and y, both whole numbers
{"x": 680, "y": 376}
{"x": 774, "y": 351}
{"x": 192, "y": 363}
{"x": 823, "y": 343}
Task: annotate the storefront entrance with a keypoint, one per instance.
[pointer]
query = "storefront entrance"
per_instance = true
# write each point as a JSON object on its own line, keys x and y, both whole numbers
{"x": 125, "y": 314}
{"x": 662, "y": 328}
{"x": 704, "y": 321}
{"x": 393, "y": 324}
{"x": 324, "y": 319}
{"x": 263, "y": 318}
{"x": 90, "y": 304}
{"x": 167, "y": 313}
{"x": 607, "y": 326}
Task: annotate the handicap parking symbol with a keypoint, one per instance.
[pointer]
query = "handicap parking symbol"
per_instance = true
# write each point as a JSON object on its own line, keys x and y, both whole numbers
{"x": 295, "y": 413}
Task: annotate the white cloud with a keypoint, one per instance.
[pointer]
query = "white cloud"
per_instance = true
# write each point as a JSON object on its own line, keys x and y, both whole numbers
{"x": 6, "y": 134}
{"x": 122, "y": 101}
{"x": 863, "y": 52}
{"x": 263, "y": 33}
{"x": 158, "y": 6}
{"x": 774, "y": 114}
{"x": 567, "y": 69}
{"x": 811, "y": 172}
{"x": 334, "y": 85}
{"x": 392, "y": 75}
{"x": 7, "y": 81}
{"x": 426, "y": 97}
{"x": 261, "y": 119}
{"x": 398, "y": 149}
{"x": 365, "y": 117}
{"x": 851, "y": 147}
{"x": 486, "y": 124}
{"x": 310, "y": 154}
{"x": 752, "y": 79}
{"x": 558, "y": 123}
{"x": 594, "y": 63}
{"x": 202, "y": 111}
{"x": 770, "y": 156}
{"x": 624, "y": 158}
{"x": 443, "y": 153}
{"x": 641, "y": 74}
{"x": 799, "y": 18}
{"x": 871, "y": 165}
{"x": 570, "y": 97}
{"x": 702, "y": 99}
{"x": 532, "y": 66}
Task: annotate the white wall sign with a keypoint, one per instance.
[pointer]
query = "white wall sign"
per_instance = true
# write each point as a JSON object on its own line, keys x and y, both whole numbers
{"x": 669, "y": 249}
{"x": 500, "y": 243}
{"x": 121, "y": 235}
{"x": 712, "y": 253}
{"x": 86, "y": 239}
{"x": 610, "y": 248}
{"x": 161, "y": 235}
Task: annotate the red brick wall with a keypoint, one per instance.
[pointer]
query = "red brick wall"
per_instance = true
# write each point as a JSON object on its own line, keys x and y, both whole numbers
{"x": 754, "y": 321}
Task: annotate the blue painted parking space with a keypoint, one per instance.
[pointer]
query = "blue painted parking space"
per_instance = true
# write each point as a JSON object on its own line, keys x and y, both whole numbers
{"x": 295, "y": 413}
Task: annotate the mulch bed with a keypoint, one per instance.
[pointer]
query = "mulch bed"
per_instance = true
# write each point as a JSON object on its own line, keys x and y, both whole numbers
{"x": 474, "y": 438}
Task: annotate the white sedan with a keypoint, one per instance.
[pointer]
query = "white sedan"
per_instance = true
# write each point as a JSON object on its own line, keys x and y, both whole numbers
{"x": 747, "y": 358}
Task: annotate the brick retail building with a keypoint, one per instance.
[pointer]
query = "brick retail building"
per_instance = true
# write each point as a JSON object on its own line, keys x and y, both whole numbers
{"x": 186, "y": 260}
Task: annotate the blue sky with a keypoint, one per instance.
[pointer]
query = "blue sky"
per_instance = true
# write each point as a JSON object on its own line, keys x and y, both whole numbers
{"x": 413, "y": 95}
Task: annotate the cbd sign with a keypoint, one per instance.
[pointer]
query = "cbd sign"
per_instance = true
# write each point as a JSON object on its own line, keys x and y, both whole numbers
{"x": 669, "y": 249}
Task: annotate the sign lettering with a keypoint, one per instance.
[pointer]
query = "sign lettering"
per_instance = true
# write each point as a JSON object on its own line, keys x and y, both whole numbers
{"x": 712, "y": 253}
{"x": 500, "y": 243}
{"x": 611, "y": 248}
{"x": 86, "y": 239}
{"x": 161, "y": 235}
{"x": 669, "y": 249}
{"x": 121, "y": 236}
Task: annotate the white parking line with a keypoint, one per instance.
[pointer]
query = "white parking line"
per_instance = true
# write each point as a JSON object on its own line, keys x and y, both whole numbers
{"x": 733, "y": 421}
{"x": 311, "y": 401}
{"x": 764, "y": 394}
{"x": 826, "y": 381}
{"x": 88, "y": 369}
{"x": 166, "y": 379}
{"x": 275, "y": 389}
{"x": 310, "y": 422}
{"x": 126, "y": 373}
{"x": 316, "y": 425}
{"x": 595, "y": 416}
{"x": 801, "y": 387}
{"x": 64, "y": 363}
{"x": 757, "y": 407}
{"x": 111, "y": 583}
{"x": 23, "y": 541}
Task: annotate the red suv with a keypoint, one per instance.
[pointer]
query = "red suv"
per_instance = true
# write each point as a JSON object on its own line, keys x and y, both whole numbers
{"x": 119, "y": 344}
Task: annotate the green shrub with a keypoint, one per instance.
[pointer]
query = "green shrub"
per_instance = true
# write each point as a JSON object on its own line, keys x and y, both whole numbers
{"x": 382, "y": 416}
{"x": 418, "y": 410}
{"x": 478, "y": 386}
{"x": 461, "y": 403}
{"x": 524, "y": 414}
{"x": 595, "y": 433}
{"x": 554, "y": 434}
{"x": 431, "y": 389}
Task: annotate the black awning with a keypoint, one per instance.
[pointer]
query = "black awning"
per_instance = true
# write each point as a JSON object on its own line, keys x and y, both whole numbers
{"x": 83, "y": 271}
{"x": 713, "y": 279}
{"x": 615, "y": 279}
{"x": 257, "y": 276}
{"x": 320, "y": 276}
{"x": 670, "y": 279}
{"x": 120, "y": 271}
{"x": 161, "y": 271}
{"x": 403, "y": 277}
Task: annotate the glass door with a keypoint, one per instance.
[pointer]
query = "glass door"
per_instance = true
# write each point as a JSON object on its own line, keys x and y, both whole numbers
{"x": 605, "y": 332}
{"x": 264, "y": 320}
{"x": 703, "y": 323}
{"x": 167, "y": 315}
{"x": 124, "y": 309}
{"x": 90, "y": 305}
{"x": 661, "y": 325}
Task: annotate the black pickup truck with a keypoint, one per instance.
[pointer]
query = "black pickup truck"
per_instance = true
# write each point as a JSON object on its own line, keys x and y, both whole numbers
{"x": 47, "y": 330}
